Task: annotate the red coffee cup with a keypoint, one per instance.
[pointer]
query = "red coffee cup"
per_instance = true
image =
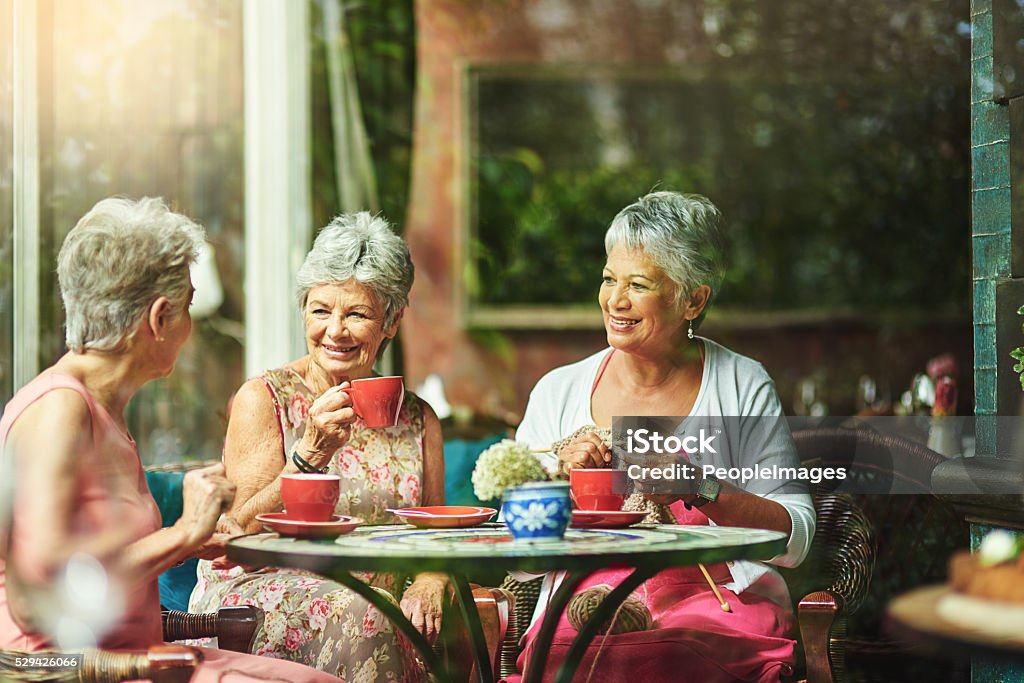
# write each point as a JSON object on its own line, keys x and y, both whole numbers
{"x": 377, "y": 400}
{"x": 310, "y": 497}
{"x": 596, "y": 489}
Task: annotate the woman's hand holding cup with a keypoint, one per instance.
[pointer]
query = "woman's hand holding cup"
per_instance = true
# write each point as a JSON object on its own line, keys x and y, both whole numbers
{"x": 587, "y": 451}
{"x": 328, "y": 426}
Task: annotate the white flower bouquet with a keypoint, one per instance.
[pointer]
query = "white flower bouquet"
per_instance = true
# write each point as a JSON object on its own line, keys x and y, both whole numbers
{"x": 505, "y": 464}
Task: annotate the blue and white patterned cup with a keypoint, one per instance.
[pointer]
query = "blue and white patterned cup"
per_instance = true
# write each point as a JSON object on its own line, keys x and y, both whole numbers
{"x": 538, "y": 510}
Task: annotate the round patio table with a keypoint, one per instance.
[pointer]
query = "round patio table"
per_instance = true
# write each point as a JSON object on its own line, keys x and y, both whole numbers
{"x": 648, "y": 549}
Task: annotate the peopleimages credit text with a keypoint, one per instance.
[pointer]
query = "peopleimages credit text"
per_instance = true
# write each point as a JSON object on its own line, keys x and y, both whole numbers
{"x": 742, "y": 475}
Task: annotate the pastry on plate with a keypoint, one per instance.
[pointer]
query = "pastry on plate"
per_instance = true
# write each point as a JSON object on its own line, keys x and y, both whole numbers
{"x": 995, "y": 572}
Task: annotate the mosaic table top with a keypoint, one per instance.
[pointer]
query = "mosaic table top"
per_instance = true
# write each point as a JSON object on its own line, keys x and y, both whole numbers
{"x": 405, "y": 548}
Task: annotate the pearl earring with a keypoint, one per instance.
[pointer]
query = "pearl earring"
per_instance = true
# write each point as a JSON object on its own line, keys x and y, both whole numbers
{"x": 689, "y": 331}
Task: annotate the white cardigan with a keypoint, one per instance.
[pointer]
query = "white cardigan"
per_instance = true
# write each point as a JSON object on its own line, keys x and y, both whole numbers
{"x": 732, "y": 386}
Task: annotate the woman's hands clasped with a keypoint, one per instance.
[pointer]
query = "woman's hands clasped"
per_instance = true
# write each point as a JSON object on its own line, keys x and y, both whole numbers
{"x": 328, "y": 426}
{"x": 206, "y": 493}
{"x": 586, "y": 451}
{"x": 423, "y": 602}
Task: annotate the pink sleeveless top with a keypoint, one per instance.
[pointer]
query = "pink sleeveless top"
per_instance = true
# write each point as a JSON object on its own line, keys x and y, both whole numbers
{"x": 110, "y": 495}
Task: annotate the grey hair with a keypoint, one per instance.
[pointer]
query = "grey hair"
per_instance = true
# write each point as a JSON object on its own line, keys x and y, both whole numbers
{"x": 120, "y": 257}
{"x": 362, "y": 247}
{"x": 681, "y": 233}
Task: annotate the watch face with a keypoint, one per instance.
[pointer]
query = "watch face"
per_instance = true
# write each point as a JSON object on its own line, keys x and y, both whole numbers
{"x": 709, "y": 489}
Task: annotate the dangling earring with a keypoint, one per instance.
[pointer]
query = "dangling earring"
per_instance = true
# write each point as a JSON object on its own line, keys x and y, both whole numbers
{"x": 689, "y": 331}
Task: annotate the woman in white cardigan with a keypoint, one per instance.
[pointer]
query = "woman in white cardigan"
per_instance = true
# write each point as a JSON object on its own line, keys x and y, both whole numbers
{"x": 664, "y": 256}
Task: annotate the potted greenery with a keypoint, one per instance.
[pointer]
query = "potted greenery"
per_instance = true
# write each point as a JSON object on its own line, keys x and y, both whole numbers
{"x": 533, "y": 506}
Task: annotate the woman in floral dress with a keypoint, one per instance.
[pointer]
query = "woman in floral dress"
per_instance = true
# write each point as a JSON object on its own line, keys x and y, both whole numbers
{"x": 353, "y": 288}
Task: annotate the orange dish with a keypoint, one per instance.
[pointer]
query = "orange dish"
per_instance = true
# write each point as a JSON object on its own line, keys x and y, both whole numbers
{"x": 287, "y": 526}
{"x": 445, "y": 516}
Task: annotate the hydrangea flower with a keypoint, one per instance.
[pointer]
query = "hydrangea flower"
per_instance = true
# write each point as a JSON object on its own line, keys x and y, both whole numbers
{"x": 506, "y": 463}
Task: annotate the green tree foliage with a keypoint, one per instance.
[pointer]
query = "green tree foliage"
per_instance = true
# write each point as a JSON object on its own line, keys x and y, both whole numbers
{"x": 382, "y": 36}
{"x": 833, "y": 134}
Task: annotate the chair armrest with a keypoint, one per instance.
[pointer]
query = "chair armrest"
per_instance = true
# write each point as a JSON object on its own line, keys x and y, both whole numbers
{"x": 234, "y": 627}
{"x": 822, "y": 630}
{"x": 495, "y": 609}
{"x": 160, "y": 664}
{"x": 845, "y": 541}
{"x": 525, "y": 595}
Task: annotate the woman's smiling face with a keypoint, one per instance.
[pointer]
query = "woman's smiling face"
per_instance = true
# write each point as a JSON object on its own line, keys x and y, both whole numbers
{"x": 345, "y": 329}
{"x": 639, "y": 304}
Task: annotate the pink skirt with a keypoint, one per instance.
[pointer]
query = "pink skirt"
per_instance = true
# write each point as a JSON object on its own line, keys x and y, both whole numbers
{"x": 692, "y": 639}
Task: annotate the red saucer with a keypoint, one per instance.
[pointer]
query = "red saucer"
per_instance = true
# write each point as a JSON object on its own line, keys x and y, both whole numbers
{"x": 332, "y": 528}
{"x": 445, "y": 516}
{"x": 606, "y": 519}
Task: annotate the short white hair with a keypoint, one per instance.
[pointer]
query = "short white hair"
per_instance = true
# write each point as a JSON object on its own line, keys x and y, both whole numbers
{"x": 118, "y": 259}
{"x": 681, "y": 233}
{"x": 362, "y": 247}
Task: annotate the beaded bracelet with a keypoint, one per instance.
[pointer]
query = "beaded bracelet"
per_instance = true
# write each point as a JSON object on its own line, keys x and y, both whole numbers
{"x": 304, "y": 466}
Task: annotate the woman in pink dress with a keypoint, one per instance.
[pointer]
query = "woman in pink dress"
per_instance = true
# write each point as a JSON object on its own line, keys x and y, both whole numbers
{"x": 80, "y": 491}
{"x": 663, "y": 265}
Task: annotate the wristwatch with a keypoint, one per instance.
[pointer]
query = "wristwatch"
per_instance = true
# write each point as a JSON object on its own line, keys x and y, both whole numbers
{"x": 707, "y": 492}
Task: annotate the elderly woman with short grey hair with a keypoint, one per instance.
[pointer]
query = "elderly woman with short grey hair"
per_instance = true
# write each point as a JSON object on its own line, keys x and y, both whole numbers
{"x": 78, "y": 480}
{"x": 352, "y": 290}
{"x": 664, "y": 263}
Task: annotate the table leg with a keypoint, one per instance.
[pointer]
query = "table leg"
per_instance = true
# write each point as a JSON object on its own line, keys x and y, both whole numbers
{"x": 604, "y": 610}
{"x": 467, "y": 604}
{"x": 553, "y": 612}
{"x": 394, "y": 614}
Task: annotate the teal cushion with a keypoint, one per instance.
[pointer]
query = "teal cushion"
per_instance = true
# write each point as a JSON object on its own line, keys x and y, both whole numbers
{"x": 166, "y": 490}
{"x": 176, "y": 583}
{"x": 459, "y": 459}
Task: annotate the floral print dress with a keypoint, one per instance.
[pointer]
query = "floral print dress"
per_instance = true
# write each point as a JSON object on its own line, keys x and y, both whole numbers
{"x": 310, "y": 619}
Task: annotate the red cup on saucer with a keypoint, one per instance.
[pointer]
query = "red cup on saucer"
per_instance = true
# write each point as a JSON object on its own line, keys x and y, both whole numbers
{"x": 595, "y": 489}
{"x": 377, "y": 400}
{"x": 310, "y": 497}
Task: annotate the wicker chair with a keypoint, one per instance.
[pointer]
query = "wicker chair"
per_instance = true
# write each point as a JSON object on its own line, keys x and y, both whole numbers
{"x": 160, "y": 664}
{"x": 834, "y": 581}
{"x": 884, "y": 464}
{"x": 235, "y": 627}
{"x": 496, "y": 608}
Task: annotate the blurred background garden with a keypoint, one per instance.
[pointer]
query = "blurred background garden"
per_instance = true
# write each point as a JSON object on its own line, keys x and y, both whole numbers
{"x": 501, "y": 137}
